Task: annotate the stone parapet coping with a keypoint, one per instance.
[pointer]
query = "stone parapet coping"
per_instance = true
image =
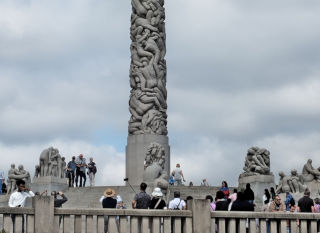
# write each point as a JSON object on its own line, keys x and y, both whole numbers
{"x": 18, "y": 210}
{"x": 126, "y": 212}
{"x": 264, "y": 215}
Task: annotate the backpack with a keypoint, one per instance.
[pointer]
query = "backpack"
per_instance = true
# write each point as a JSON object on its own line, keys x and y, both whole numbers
{"x": 292, "y": 202}
{"x": 177, "y": 207}
{"x": 94, "y": 169}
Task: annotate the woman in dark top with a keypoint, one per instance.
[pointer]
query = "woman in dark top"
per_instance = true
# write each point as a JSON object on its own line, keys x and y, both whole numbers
{"x": 109, "y": 201}
{"x": 222, "y": 203}
{"x": 272, "y": 193}
{"x": 157, "y": 202}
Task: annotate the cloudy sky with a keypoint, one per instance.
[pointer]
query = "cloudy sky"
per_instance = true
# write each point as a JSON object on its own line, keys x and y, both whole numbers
{"x": 240, "y": 74}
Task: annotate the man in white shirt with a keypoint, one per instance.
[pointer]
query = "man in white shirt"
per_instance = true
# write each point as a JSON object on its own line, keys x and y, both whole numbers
{"x": 18, "y": 199}
{"x": 177, "y": 203}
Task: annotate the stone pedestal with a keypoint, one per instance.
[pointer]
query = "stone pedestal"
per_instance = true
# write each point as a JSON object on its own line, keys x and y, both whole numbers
{"x": 258, "y": 184}
{"x": 314, "y": 188}
{"x": 136, "y": 152}
{"x": 49, "y": 183}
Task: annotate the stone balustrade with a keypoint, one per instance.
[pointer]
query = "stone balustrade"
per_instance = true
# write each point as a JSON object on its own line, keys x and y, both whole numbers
{"x": 259, "y": 222}
{"x": 198, "y": 219}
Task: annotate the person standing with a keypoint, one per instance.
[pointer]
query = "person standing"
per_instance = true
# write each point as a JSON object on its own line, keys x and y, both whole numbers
{"x": 276, "y": 205}
{"x": 4, "y": 187}
{"x": 59, "y": 201}
{"x": 141, "y": 200}
{"x": 1, "y": 181}
{"x": 177, "y": 203}
{"x": 81, "y": 170}
{"x": 157, "y": 202}
{"x": 222, "y": 203}
{"x": 204, "y": 183}
{"x": 18, "y": 199}
{"x": 249, "y": 194}
{"x": 178, "y": 175}
{"x": 225, "y": 189}
{"x": 241, "y": 204}
{"x": 305, "y": 204}
{"x": 266, "y": 197}
{"x": 71, "y": 169}
{"x": 317, "y": 205}
{"x": 109, "y": 203}
{"x": 92, "y": 170}
{"x": 272, "y": 193}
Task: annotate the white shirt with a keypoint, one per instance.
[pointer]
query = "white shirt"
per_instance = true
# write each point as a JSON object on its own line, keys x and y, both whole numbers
{"x": 175, "y": 202}
{"x": 19, "y": 198}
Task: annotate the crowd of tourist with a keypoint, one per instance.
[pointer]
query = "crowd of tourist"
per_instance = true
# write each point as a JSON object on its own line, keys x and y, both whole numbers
{"x": 77, "y": 170}
{"x": 224, "y": 200}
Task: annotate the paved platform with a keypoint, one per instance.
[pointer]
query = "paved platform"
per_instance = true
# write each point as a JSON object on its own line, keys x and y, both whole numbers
{"x": 88, "y": 197}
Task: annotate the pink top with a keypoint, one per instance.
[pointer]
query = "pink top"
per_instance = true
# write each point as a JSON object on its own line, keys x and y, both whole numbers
{"x": 317, "y": 208}
{"x": 233, "y": 197}
{"x": 212, "y": 206}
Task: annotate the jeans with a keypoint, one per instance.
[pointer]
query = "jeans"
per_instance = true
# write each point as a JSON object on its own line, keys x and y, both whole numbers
{"x": 71, "y": 178}
{"x": 82, "y": 176}
{"x": 177, "y": 182}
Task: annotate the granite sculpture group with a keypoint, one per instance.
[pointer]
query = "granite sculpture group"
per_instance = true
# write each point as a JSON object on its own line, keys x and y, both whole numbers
{"x": 147, "y": 103}
{"x": 257, "y": 172}
{"x": 51, "y": 164}
{"x": 17, "y": 174}
{"x": 257, "y": 162}
{"x": 154, "y": 173}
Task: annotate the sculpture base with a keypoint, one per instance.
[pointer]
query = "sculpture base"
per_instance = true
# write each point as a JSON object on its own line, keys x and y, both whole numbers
{"x": 258, "y": 184}
{"x": 136, "y": 153}
{"x": 314, "y": 187}
{"x": 49, "y": 183}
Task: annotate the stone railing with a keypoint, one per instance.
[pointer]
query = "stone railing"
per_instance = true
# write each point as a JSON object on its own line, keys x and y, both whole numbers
{"x": 43, "y": 218}
{"x": 6, "y": 223}
{"x": 261, "y": 222}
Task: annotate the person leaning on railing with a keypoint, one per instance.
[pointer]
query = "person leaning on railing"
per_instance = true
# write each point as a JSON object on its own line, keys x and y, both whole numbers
{"x": 18, "y": 199}
{"x": 276, "y": 205}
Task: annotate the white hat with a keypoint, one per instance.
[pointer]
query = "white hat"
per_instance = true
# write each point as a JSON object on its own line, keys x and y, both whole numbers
{"x": 157, "y": 192}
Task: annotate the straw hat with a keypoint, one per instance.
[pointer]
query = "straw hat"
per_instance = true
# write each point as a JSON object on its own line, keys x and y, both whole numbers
{"x": 157, "y": 192}
{"x": 109, "y": 192}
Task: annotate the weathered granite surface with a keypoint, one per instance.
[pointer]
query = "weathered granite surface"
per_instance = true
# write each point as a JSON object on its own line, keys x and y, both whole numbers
{"x": 17, "y": 174}
{"x": 148, "y": 78}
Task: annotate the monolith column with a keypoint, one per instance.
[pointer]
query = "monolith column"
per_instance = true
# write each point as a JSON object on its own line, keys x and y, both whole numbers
{"x": 148, "y": 96}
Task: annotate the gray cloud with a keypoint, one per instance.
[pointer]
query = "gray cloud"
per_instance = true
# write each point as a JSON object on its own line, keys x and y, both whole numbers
{"x": 239, "y": 74}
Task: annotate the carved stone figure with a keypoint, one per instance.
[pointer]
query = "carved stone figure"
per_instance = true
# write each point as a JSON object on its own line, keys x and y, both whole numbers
{"x": 154, "y": 162}
{"x": 51, "y": 163}
{"x": 147, "y": 103}
{"x": 296, "y": 182}
{"x": 11, "y": 180}
{"x": 37, "y": 171}
{"x": 162, "y": 182}
{"x": 309, "y": 173}
{"x": 17, "y": 174}
{"x": 257, "y": 162}
{"x": 293, "y": 183}
{"x": 45, "y": 161}
{"x": 283, "y": 186}
{"x": 25, "y": 174}
{"x": 63, "y": 165}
